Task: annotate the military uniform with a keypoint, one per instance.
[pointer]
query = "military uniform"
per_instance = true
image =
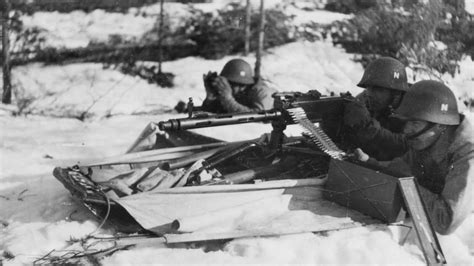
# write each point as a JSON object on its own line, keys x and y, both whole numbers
{"x": 377, "y": 134}
{"x": 441, "y": 154}
{"x": 445, "y": 173}
{"x": 372, "y": 128}
{"x": 256, "y": 97}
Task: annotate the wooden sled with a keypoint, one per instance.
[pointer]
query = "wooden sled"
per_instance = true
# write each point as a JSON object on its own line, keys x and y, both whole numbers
{"x": 89, "y": 190}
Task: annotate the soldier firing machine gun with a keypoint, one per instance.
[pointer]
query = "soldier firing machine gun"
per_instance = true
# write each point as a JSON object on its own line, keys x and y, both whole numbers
{"x": 306, "y": 109}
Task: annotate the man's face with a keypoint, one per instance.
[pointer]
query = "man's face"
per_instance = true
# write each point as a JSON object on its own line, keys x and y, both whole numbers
{"x": 421, "y": 134}
{"x": 379, "y": 98}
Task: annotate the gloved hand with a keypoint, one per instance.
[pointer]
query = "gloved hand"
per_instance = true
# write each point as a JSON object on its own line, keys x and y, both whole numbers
{"x": 361, "y": 155}
{"x": 356, "y": 114}
{"x": 207, "y": 79}
{"x": 223, "y": 87}
{"x": 264, "y": 139}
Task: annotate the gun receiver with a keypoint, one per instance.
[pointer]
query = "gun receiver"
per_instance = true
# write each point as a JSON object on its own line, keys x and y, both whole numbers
{"x": 318, "y": 108}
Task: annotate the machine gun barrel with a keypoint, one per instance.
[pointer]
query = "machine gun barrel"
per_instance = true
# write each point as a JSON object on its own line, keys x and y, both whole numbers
{"x": 218, "y": 120}
{"x": 318, "y": 108}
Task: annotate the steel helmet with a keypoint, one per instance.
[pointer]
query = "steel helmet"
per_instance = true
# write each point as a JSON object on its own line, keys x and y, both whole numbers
{"x": 431, "y": 101}
{"x": 385, "y": 72}
{"x": 238, "y": 71}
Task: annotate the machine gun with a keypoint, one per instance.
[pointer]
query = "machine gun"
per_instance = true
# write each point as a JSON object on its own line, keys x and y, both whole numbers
{"x": 312, "y": 107}
{"x": 289, "y": 108}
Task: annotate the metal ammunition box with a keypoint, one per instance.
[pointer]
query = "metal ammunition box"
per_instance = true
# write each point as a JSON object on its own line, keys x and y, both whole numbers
{"x": 368, "y": 191}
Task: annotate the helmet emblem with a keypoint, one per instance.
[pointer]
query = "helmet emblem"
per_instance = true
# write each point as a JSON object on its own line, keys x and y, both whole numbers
{"x": 242, "y": 73}
{"x": 444, "y": 107}
{"x": 396, "y": 75}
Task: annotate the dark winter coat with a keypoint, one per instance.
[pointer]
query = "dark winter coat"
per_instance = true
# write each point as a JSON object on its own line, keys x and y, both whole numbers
{"x": 377, "y": 134}
{"x": 256, "y": 97}
{"x": 445, "y": 173}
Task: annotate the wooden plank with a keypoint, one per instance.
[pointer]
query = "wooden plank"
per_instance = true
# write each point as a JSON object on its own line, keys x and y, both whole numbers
{"x": 138, "y": 159}
{"x": 424, "y": 230}
{"x": 137, "y": 156}
{"x": 203, "y": 236}
{"x": 141, "y": 241}
{"x": 279, "y": 184}
{"x": 187, "y": 160}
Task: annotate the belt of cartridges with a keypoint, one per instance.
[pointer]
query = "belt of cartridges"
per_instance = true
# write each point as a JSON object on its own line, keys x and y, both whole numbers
{"x": 317, "y": 135}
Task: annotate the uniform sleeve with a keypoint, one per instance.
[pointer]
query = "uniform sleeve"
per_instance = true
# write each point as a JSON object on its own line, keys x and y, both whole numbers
{"x": 232, "y": 106}
{"x": 398, "y": 167}
{"x": 206, "y": 105}
{"x": 393, "y": 142}
{"x": 259, "y": 98}
{"x": 449, "y": 209}
{"x": 401, "y": 165}
{"x": 364, "y": 131}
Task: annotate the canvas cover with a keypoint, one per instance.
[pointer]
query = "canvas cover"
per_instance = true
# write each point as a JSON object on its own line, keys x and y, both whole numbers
{"x": 269, "y": 208}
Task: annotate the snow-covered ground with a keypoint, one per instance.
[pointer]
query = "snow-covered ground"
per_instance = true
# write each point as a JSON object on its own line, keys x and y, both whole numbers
{"x": 470, "y": 6}
{"x": 79, "y": 88}
{"x": 78, "y": 29}
{"x": 37, "y": 214}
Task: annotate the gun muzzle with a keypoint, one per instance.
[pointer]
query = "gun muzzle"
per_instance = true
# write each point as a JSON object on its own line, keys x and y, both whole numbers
{"x": 172, "y": 124}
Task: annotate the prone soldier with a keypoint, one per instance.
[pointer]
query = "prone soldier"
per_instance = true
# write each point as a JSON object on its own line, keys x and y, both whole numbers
{"x": 235, "y": 90}
{"x": 441, "y": 153}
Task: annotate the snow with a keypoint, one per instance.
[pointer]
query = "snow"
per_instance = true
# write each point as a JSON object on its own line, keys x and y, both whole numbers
{"x": 463, "y": 83}
{"x": 316, "y": 16}
{"x": 470, "y": 6}
{"x": 38, "y": 214}
{"x": 79, "y": 88}
{"x": 50, "y": 235}
{"x": 78, "y": 28}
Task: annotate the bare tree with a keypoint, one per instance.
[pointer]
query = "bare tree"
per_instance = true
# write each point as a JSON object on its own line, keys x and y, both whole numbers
{"x": 247, "y": 27}
{"x": 260, "y": 40}
{"x": 160, "y": 37}
{"x": 163, "y": 79}
{"x": 7, "y": 92}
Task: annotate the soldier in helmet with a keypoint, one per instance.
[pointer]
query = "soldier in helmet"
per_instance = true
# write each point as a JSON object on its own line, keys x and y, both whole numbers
{"x": 441, "y": 153}
{"x": 235, "y": 90}
{"x": 367, "y": 121}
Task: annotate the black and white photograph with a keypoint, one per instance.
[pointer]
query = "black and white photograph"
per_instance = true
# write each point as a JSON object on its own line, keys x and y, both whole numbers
{"x": 237, "y": 132}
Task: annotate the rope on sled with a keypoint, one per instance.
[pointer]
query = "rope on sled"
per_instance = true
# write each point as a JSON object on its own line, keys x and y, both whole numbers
{"x": 104, "y": 220}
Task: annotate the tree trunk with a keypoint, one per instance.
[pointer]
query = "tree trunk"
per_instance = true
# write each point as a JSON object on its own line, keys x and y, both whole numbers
{"x": 160, "y": 37}
{"x": 247, "y": 27}
{"x": 260, "y": 40}
{"x": 7, "y": 93}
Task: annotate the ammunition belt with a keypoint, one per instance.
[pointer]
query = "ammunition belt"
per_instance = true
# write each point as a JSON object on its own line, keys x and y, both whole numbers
{"x": 316, "y": 134}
